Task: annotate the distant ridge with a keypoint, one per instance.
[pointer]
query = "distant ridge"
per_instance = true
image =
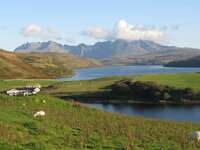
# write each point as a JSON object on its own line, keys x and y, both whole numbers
{"x": 49, "y": 46}
{"x": 192, "y": 62}
{"x": 106, "y": 49}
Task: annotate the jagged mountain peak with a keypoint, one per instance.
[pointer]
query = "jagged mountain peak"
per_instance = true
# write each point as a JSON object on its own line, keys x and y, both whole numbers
{"x": 101, "y": 50}
{"x": 49, "y": 46}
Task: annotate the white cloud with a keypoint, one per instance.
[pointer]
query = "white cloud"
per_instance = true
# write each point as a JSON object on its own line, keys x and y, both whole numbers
{"x": 125, "y": 31}
{"x": 31, "y": 30}
{"x": 34, "y": 30}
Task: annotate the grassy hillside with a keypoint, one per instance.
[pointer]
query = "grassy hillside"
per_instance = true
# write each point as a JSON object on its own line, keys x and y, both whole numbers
{"x": 11, "y": 67}
{"x": 70, "y": 125}
{"x": 57, "y": 64}
{"x": 49, "y": 66}
{"x": 193, "y": 62}
{"x": 151, "y": 59}
{"x": 70, "y": 61}
{"x": 41, "y": 65}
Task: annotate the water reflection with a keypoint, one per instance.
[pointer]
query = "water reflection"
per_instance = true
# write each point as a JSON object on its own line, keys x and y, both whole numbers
{"x": 166, "y": 112}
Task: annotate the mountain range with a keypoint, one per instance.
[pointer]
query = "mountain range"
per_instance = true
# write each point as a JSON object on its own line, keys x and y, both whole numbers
{"x": 106, "y": 49}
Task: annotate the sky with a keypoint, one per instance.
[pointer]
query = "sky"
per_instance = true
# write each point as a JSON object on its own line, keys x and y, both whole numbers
{"x": 169, "y": 22}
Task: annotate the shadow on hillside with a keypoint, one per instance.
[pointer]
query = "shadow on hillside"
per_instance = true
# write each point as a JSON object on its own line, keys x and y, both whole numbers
{"x": 89, "y": 96}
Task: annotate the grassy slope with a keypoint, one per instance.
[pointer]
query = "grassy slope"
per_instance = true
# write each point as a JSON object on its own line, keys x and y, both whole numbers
{"x": 69, "y": 125}
{"x": 45, "y": 64}
{"x": 57, "y": 64}
{"x": 42, "y": 65}
{"x": 12, "y": 67}
{"x": 70, "y": 61}
{"x": 149, "y": 59}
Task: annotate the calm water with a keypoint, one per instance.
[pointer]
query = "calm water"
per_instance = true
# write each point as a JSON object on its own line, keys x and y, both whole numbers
{"x": 164, "y": 112}
{"x": 167, "y": 112}
{"x": 93, "y": 73}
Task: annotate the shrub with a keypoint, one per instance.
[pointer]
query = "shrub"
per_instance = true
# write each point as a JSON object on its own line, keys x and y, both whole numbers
{"x": 121, "y": 87}
{"x": 153, "y": 91}
{"x": 165, "y": 96}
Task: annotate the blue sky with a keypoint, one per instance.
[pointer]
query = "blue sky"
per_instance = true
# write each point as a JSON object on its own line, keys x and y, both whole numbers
{"x": 170, "y": 22}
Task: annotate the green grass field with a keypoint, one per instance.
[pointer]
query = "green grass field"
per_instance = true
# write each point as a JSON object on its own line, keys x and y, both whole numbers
{"x": 97, "y": 86}
{"x": 70, "y": 125}
{"x": 191, "y": 80}
{"x": 9, "y": 84}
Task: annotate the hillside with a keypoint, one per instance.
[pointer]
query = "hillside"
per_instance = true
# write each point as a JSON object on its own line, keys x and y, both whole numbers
{"x": 192, "y": 62}
{"x": 72, "y": 126}
{"x": 151, "y": 59}
{"x": 70, "y": 61}
{"x": 12, "y": 67}
{"x": 106, "y": 49}
{"x": 43, "y": 65}
{"x": 57, "y": 64}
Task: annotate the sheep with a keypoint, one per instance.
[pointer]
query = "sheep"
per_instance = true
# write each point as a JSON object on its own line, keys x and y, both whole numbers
{"x": 43, "y": 101}
{"x": 39, "y": 113}
{"x": 194, "y": 136}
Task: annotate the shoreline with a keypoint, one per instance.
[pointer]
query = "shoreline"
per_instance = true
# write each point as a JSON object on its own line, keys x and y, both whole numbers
{"x": 112, "y": 101}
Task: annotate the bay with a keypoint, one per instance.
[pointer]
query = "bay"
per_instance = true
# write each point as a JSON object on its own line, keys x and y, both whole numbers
{"x": 166, "y": 112}
{"x": 163, "y": 112}
{"x": 93, "y": 73}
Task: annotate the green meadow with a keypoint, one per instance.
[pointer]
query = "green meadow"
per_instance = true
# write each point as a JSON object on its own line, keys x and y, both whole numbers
{"x": 71, "y": 125}
{"x": 98, "y": 87}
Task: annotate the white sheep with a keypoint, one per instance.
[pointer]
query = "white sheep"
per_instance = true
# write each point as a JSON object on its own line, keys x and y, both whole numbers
{"x": 43, "y": 101}
{"x": 194, "y": 136}
{"x": 39, "y": 113}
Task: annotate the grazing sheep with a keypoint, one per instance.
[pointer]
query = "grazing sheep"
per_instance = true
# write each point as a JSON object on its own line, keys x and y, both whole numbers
{"x": 39, "y": 113}
{"x": 194, "y": 135}
{"x": 43, "y": 101}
